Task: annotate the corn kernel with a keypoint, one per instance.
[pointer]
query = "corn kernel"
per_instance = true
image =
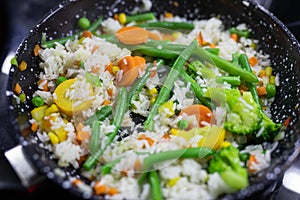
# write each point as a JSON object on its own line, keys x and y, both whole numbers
{"x": 269, "y": 71}
{"x": 152, "y": 100}
{"x": 174, "y": 131}
{"x": 122, "y": 18}
{"x": 53, "y": 138}
{"x": 272, "y": 79}
{"x": 61, "y": 134}
{"x": 153, "y": 91}
{"x": 173, "y": 181}
{"x": 115, "y": 69}
{"x": 52, "y": 109}
{"x": 167, "y": 108}
{"x": 225, "y": 144}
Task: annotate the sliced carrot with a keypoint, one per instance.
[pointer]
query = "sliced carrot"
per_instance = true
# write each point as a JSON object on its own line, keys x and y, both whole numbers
{"x": 168, "y": 15}
{"x": 234, "y": 36}
{"x": 253, "y": 61}
{"x": 100, "y": 188}
{"x": 109, "y": 68}
{"x": 130, "y": 65}
{"x": 80, "y": 133}
{"x": 203, "y": 114}
{"x": 86, "y": 34}
{"x": 154, "y": 36}
{"x": 106, "y": 102}
{"x": 110, "y": 92}
{"x": 261, "y": 91}
{"x": 144, "y": 137}
{"x": 36, "y": 49}
{"x": 286, "y": 122}
{"x": 44, "y": 84}
{"x": 34, "y": 126}
{"x": 112, "y": 191}
{"x": 252, "y": 159}
{"x": 76, "y": 182}
{"x": 132, "y": 35}
{"x": 17, "y": 88}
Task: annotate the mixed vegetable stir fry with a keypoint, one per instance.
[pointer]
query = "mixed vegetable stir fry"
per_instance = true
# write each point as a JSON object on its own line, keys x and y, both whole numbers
{"x": 132, "y": 100}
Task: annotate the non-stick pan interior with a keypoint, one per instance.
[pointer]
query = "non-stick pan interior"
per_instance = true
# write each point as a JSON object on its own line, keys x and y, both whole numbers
{"x": 274, "y": 38}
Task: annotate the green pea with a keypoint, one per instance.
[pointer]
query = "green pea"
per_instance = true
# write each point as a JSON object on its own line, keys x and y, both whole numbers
{"x": 271, "y": 90}
{"x": 60, "y": 80}
{"x": 84, "y": 23}
{"x": 183, "y": 124}
{"x": 37, "y": 101}
{"x": 22, "y": 97}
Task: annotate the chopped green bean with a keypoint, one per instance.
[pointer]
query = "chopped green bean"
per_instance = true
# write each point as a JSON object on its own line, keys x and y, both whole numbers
{"x": 244, "y": 62}
{"x": 140, "y": 17}
{"x": 99, "y": 115}
{"x": 168, "y": 84}
{"x": 233, "y": 69}
{"x": 60, "y": 79}
{"x": 241, "y": 33}
{"x": 232, "y": 80}
{"x": 105, "y": 169}
{"x": 169, "y": 25}
{"x": 120, "y": 109}
{"x": 156, "y": 192}
{"x": 95, "y": 137}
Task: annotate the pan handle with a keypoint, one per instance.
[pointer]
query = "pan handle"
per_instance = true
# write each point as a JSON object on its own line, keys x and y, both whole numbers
{"x": 24, "y": 169}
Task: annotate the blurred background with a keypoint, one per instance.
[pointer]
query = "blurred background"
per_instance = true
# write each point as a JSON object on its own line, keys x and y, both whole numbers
{"x": 18, "y": 17}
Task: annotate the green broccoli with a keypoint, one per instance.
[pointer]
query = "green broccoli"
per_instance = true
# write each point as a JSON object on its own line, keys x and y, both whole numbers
{"x": 268, "y": 127}
{"x": 227, "y": 163}
{"x": 243, "y": 115}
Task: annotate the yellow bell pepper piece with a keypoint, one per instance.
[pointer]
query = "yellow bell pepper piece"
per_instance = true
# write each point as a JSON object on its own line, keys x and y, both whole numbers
{"x": 53, "y": 138}
{"x": 61, "y": 133}
{"x": 167, "y": 106}
{"x": 38, "y": 113}
{"x": 173, "y": 181}
{"x": 52, "y": 109}
{"x": 213, "y": 136}
{"x": 66, "y": 105}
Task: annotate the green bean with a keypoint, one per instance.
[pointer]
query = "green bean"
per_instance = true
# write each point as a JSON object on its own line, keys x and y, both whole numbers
{"x": 233, "y": 69}
{"x": 51, "y": 43}
{"x": 105, "y": 169}
{"x": 168, "y": 84}
{"x": 241, "y": 33}
{"x": 169, "y": 25}
{"x": 195, "y": 152}
{"x": 215, "y": 51}
{"x": 140, "y": 82}
{"x": 244, "y": 62}
{"x": 155, "y": 52}
{"x": 235, "y": 58}
{"x": 140, "y": 17}
{"x": 95, "y": 137}
{"x": 99, "y": 115}
{"x": 60, "y": 79}
{"x": 156, "y": 192}
{"x": 120, "y": 109}
{"x": 232, "y": 80}
{"x": 196, "y": 89}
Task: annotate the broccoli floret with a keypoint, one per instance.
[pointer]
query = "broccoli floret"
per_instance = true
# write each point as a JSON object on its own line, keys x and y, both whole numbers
{"x": 268, "y": 127}
{"x": 243, "y": 114}
{"x": 227, "y": 163}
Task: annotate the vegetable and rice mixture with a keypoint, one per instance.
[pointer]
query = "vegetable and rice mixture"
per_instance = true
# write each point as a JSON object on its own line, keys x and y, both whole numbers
{"x": 156, "y": 107}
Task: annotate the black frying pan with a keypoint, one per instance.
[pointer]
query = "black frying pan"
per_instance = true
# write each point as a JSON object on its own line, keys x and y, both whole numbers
{"x": 275, "y": 39}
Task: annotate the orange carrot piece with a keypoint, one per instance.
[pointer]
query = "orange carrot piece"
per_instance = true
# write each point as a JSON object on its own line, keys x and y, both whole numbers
{"x": 253, "y": 61}
{"x": 112, "y": 191}
{"x": 80, "y": 133}
{"x": 110, "y": 92}
{"x": 132, "y": 35}
{"x": 106, "y": 102}
{"x": 130, "y": 65}
{"x": 109, "y": 68}
{"x": 168, "y": 15}
{"x": 100, "y": 188}
{"x": 286, "y": 122}
{"x": 252, "y": 159}
{"x": 144, "y": 137}
{"x": 34, "y": 126}
{"x": 86, "y": 34}
{"x": 203, "y": 114}
{"x": 261, "y": 91}
{"x": 23, "y": 65}
{"x": 17, "y": 89}
{"x": 45, "y": 84}
{"x": 234, "y": 36}
{"x": 36, "y": 49}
